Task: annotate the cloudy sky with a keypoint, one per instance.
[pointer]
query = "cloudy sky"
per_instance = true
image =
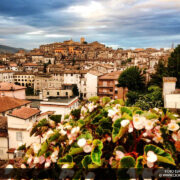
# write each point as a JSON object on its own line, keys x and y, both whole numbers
{"x": 116, "y": 23}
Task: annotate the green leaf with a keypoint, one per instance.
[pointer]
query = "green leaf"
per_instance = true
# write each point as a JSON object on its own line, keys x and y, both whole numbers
{"x": 105, "y": 100}
{"x": 118, "y": 131}
{"x": 87, "y": 136}
{"x": 162, "y": 155}
{"x": 86, "y": 161}
{"x": 119, "y": 148}
{"x": 75, "y": 150}
{"x": 139, "y": 162}
{"x": 94, "y": 99}
{"x": 97, "y": 152}
{"x": 65, "y": 160}
{"x": 56, "y": 118}
{"x": 126, "y": 110}
{"x": 44, "y": 148}
{"x": 127, "y": 162}
{"x": 53, "y": 137}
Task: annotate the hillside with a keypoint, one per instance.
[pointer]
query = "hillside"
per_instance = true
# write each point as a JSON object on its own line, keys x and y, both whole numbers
{"x": 8, "y": 49}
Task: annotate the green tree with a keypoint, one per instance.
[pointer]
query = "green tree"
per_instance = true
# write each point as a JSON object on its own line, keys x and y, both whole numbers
{"x": 161, "y": 71}
{"x": 153, "y": 98}
{"x": 174, "y": 65}
{"x": 133, "y": 79}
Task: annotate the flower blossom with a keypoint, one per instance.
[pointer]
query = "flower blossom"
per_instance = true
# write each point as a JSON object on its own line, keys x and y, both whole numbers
{"x": 112, "y": 112}
{"x": 87, "y": 148}
{"x": 148, "y": 124}
{"x": 119, "y": 155}
{"x": 81, "y": 142}
{"x": 151, "y": 159}
{"x": 91, "y": 107}
{"x": 124, "y": 123}
{"x": 138, "y": 122}
{"x": 36, "y": 147}
{"x": 173, "y": 126}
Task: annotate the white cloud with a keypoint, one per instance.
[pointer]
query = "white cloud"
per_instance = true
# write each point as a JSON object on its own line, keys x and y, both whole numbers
{"x": 35, "y": 32}
{"x": 56, "y": 35}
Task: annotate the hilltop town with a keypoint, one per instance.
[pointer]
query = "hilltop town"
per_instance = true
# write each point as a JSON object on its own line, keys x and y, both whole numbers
{"x": 54, "y": 78}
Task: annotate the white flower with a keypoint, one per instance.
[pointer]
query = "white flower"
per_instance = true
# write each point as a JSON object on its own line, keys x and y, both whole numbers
{"x": 172, "y": 126}
{"x": 150, "y": 164}
{"x": 156, "y": 109}
{"x": 9, "y": 166}
{"x": 158, "y": 138}
{"x": 23, "y": 166}
{"x": 83, "y": 110}
{"x": 174, "y": 136}
{"x": 36, "y": 147}
{"x": 115, "y": 117}
{"x": 87, "y": 148}
{"x": 63, "y": 132}
{"x": 47, "y": 164}
{"x": 138, "y": 122}
{"x": 151, "y": 157}
{"x": 130, "y": 129}
{"x": 109, "y": 139}
{"x": 75, "y": 130}
{"x": 148, "y": 124}
{"x": 112, "y": 112}
{"x": 30, "y": 160}
{"x": 48, "y": 134}
{"x": 124, "y": 123}
{"x": 119, "y": 155}
{"x": 81, "y": 142}
{"x": 91, "y": 107}
{"x": 36, "y": 160}
{"x": 64, "y": 166}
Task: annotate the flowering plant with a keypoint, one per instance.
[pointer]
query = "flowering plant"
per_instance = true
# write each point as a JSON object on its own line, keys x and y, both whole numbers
{"x": 104, "y": 133}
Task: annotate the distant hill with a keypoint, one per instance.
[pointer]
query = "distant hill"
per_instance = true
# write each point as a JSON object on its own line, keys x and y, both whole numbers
{"x": 8, "y": 49}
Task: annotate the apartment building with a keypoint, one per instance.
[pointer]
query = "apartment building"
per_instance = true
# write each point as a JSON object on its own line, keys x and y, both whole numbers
{"x": 6, "y": 76}
{"x": 12, "y": 90}
{"x": 107, "y": 86}
{"x": 24, "y": 79}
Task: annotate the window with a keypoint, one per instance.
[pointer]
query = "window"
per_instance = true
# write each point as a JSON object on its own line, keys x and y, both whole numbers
{"x": 66, "y": 93}
{"x": 104, "y": 83}
{"x": 47, "y": 93}
{"x": 19, "y": 136}
{"x": 111, "y": 90}
{"x": 116, "y": 91}
{"x": 58, "y": 93}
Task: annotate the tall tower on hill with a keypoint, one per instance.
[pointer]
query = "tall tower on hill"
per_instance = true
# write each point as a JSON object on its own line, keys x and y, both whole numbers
{"x": 82, "y": 40}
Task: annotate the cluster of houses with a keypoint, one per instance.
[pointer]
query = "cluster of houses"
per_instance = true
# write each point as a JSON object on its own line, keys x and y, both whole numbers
{"x": 59, "y": 74}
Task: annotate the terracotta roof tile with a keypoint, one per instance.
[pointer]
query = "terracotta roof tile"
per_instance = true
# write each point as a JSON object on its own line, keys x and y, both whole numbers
{"x": 114, "y": 75}
{"x": 8, "y": 103}
{"x": 24, "y": 112}
{"x": 6, "y": 86}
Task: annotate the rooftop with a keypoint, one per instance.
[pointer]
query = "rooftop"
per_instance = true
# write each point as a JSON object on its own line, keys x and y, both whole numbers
{"x": 111, "y": 76}
{"x": 6, "y": 86}
{"x": 8, "y": 103}
{"x": 24, "y": 112}
{"x": 169, "y": 79}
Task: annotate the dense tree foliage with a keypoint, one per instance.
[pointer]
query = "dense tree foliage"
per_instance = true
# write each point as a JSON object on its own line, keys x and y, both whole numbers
{"x": 133, "y": 79}
{"x": 161, "y": 71}
{"x": 174, "y": 65}
{"x": 153, "y": 98}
